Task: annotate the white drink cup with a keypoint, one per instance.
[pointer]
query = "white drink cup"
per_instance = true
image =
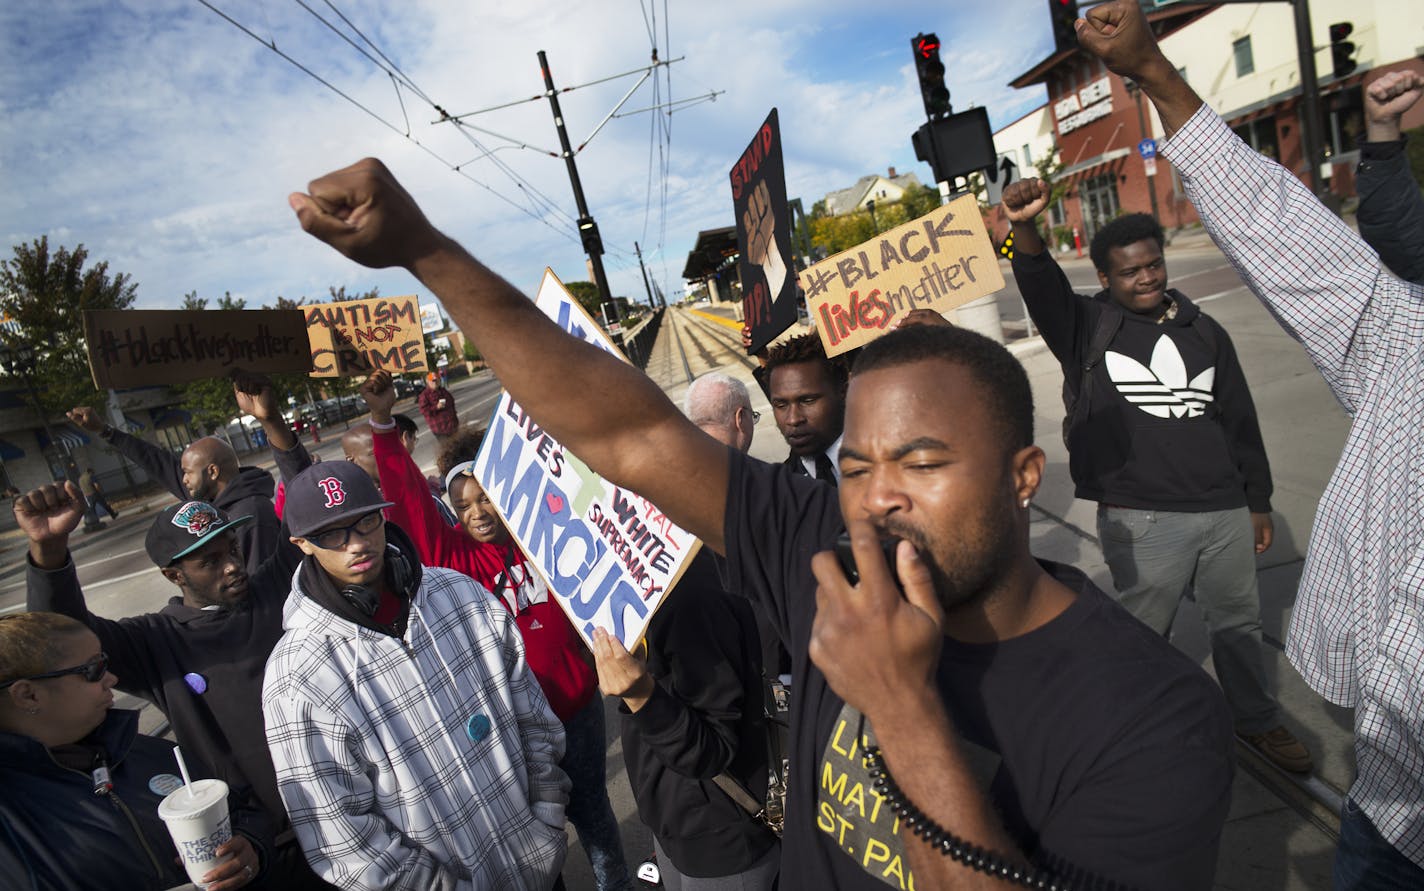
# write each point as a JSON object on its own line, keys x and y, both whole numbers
{"x": 199, "y": 824}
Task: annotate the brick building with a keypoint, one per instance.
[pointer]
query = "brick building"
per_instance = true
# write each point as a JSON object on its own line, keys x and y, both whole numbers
{"x": 1242, "y": 59}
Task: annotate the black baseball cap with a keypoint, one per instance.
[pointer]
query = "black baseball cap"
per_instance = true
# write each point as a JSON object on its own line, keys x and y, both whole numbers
{"x": 328, "y": 493}
{"x": 183, "y": 528}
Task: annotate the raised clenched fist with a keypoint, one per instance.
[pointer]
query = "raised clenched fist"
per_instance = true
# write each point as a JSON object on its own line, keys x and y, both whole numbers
{"x": 87, "y": 418}
{"x": 1025, "y": 199}
{"x": 1389, "y": 97}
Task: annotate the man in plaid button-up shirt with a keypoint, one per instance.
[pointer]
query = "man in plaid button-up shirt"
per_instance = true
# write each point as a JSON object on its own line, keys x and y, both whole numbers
{"x": 1357, "y": 631}
{"x": 413, "y": 746}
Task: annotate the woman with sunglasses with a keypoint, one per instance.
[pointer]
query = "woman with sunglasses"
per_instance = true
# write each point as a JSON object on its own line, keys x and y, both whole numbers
{"x": 481, "y": 547}
{"x": 79, "y": 786}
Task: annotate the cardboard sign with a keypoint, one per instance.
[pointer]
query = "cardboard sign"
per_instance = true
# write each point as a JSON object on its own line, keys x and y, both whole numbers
{"x": 940, "y": 261}
{"x": 765, "y": 263}
{"x": 139, "y": 347}
{"x": 356, "y": 337}
{"x": 608, "y": 555}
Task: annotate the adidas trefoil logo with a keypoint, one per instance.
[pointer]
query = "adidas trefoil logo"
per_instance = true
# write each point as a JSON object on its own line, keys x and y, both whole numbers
{"x": 1163, "y": 389}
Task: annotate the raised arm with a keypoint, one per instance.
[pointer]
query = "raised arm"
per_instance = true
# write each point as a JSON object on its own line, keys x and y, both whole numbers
{"x": 1315, "y": 275}
{"x": 48, "y": 515}
{"x": 159, "y": 463}
{"x": 603, "y": 410}
{"x": 414, "y": 511}
{"x": 1391, "y": 212}
{"x": 1056, "y": 310}
{"x": 255, "y": 397}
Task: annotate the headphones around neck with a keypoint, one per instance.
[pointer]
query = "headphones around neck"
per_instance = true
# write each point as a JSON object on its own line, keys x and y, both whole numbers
{"x": 367, "y": 599}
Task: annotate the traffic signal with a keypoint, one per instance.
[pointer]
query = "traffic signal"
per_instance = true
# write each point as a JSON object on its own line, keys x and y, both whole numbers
{"x": 931, "y": 72}
{"x": 1342, "y": 51}
{"x": 1063, "y": 13}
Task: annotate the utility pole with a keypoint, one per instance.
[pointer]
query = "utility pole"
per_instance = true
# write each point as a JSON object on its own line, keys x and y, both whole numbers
{"x": 639, "y": 251}
{"x": 1136, "y": 92}
{"x": 588, "y": 229}
{"x": 1309, "y": 95}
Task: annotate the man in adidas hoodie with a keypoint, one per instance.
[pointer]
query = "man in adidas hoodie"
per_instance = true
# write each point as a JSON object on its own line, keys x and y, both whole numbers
{"x": 413, "y": 746}
{"x": 1162, "y": 433}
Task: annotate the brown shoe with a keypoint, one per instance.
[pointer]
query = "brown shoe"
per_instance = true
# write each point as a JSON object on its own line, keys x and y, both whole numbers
{"x": 1282, "y": 749}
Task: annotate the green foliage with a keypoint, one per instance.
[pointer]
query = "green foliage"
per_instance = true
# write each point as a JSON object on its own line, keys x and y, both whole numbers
{"x": 839, "y": 233}
{"x": 1047, "y": 169}
{"x": 471, "y": 354}
{"x": 918, "y": 201}
{"x": 46, "y": 292}
{"x": 586, "y": 293}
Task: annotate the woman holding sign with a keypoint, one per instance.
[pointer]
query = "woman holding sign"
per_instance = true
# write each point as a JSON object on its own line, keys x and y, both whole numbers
{"x": 79, "y": 786}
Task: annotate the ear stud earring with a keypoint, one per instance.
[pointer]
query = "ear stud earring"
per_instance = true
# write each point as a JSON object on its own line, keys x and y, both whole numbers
{"x": 1023, "y": 503}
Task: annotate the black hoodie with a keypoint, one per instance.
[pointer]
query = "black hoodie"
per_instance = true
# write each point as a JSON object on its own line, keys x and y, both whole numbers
{"x": 1171, "y": 425}
{"x": 203, "y": 668}
{"x": 249, "y": 494}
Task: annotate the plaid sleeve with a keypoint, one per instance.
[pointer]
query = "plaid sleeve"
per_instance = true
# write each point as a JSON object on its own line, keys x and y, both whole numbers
{"x": 1313, "y": 273}
{"x": 540, "y": 732}
{"x": 331, "y": 804}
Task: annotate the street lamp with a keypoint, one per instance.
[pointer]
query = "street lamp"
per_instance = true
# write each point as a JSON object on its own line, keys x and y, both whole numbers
{"x": 21, "y": 361}
{"x": 870, "y": 206}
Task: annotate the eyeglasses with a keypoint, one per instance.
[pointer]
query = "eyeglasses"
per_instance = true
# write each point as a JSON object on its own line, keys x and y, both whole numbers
{"x": 337, "y": 537}
{"x": 92, "y": 671}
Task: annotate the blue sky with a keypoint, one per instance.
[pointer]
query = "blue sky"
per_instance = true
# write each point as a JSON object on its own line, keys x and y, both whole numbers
{"x": 165, "y": 140}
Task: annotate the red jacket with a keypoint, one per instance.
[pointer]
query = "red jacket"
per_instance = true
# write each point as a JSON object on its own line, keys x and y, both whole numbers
{"x": 442, "y": 420}
{"x": 551, "y": 645}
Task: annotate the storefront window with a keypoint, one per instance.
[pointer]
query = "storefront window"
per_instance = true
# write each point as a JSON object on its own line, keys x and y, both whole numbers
{"x": 1260, "y": 134}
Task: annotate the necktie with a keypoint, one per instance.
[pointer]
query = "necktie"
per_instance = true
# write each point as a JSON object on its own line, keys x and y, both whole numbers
{"x": 825, "y": 471}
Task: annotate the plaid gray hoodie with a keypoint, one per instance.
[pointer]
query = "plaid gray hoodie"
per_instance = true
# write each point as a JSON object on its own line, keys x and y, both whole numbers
{"x": 423, "y": 762}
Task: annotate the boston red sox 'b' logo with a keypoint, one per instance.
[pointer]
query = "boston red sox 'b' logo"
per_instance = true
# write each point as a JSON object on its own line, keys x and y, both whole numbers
{"x": 335, "y": 494}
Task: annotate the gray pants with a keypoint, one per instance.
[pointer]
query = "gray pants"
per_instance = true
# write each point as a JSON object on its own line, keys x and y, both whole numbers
{"x": 760, "y": 876}
{"x": 1155, "y": 555}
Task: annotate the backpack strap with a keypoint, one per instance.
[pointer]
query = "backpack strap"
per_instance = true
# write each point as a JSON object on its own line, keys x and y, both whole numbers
{"x": 1077, "y": 398}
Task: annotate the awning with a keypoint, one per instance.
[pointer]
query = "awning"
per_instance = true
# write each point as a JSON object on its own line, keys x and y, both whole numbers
{"x": 67, "y": 437}
{"x": 711, "y": 252}
{"x": 170, "y": 417}
{"x": 132, "y": 425}
{"x": 1096, "y": 166}
{"x": 9, "y": 451}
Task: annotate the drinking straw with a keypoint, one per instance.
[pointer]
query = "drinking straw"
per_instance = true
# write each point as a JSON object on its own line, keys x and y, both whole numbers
{"x": 183, "y": 769}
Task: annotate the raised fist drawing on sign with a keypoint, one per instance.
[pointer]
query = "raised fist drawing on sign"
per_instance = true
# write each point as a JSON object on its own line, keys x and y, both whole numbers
{"x": 760, "y": 226}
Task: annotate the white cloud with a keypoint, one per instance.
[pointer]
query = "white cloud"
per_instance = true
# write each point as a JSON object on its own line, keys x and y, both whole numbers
{"x": 165, "y": 140}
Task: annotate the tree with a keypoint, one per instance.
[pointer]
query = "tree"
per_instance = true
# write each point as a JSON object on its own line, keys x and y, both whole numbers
{"x": 46, "y": 293}
{"x": 586, "y": 293}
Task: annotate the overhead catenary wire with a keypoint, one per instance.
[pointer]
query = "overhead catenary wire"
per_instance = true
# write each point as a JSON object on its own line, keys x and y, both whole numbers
{"x": 272, "y": 45}
{"x": 536, "y": 204}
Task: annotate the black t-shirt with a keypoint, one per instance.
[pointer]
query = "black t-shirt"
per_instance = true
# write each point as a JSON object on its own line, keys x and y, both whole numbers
{"x": 1098, "y": 744}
